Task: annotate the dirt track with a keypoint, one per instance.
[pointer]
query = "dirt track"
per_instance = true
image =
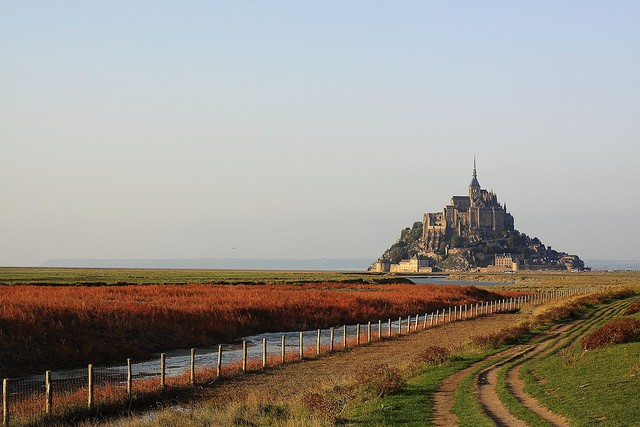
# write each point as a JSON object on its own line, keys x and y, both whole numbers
{"x": 549, "y": 341}
{"x": 294, "y": 380}
{"x": 291, "y": 381}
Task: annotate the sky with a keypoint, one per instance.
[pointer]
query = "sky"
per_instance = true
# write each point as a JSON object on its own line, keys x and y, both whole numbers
{"x": 307, "y": 129}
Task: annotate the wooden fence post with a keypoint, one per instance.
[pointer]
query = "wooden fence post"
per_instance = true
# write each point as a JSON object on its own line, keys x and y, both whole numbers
{"x": 331, "y": 339}
{"x": 129, "y": 379}
{"x": 48, "y": 393}
{"x": 5, "y": 402}
{"x": 389, "y": 329}
{"x": 90, "y": 387}
{"x": 449, "y": 314}
{"x": 455, "y": 312}
{"x": 282, "y": 350}
{"x": 219, "y": 361}
{"x": 437, "y": 316}
{"x": 380, "y": 330}
{"x": 163, "y": 365}
{"x": 369, "y": 332}
{"x": 358, "y": 334}
{"x": 318, "y": 344}
{"x": 415, "y": 326}
{"x": 344, "y": 337}
{"x": 431, "y": 320}
{"x": 301, "y": 347}
{"x": 192, "y": 371}
{"x": 424, "y": 324}
{"x": 264, "y": 352}
{"x": 244, "y": 355}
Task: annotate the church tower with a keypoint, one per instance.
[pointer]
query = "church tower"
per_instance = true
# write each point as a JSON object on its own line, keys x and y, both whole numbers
{"x": 474, "y": 187}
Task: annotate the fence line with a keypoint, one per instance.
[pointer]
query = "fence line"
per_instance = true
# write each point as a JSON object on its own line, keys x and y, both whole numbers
{"x": 26, "y": 400}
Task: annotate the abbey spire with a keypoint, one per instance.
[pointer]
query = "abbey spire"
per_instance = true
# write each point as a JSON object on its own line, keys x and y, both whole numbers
{"x": 474, "y": 179}
{"x": 474, "y": 187}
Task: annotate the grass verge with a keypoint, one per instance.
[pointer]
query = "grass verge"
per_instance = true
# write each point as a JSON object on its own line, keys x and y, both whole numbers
{"x": 594, "y": 388}
{"x": 413, "y": 406}
{"x": 598, "y": 388}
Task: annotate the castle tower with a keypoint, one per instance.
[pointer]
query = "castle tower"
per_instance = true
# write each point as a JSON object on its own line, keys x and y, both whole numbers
{"x": 474, "y": 187}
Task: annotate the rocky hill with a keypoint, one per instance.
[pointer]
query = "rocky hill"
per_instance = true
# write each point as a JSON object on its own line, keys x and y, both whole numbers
{"x": 472, "y": 232}
{"x": 478, "y": 249}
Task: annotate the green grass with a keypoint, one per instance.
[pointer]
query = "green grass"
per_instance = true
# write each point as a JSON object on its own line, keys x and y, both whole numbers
{"x": 593, "y": 388}
{"x": 413, "y": 406}
{"x": 102, "y": 276}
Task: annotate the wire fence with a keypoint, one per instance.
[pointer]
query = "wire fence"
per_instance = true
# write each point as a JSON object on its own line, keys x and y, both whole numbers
{"x": 55, "y": 395}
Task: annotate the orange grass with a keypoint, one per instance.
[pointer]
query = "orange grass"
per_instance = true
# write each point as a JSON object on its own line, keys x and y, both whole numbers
{"x": 56, "y": 327}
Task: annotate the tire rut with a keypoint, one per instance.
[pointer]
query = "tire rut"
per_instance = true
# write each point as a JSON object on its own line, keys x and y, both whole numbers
{"x": 443, "y": 398}
{"x": 551, "y": 340}
{"x": 515, "y": 385}
{"x": 487, "y": 380}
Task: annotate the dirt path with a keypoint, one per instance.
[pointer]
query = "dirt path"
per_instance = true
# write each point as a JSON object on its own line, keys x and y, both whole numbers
{"x": 553, "y": 339}
{"x": 516, "y": 385}
{"x": 443, "y": 398}
{"x": 487, "y": 381}
{"x": 294, "y": 380}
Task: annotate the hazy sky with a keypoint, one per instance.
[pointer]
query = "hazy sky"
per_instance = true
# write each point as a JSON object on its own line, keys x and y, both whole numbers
{"x": 304, "y": 129}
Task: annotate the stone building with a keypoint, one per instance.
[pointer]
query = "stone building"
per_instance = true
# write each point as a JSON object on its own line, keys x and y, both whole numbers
{"x": 416, "y": 264}
{"x": 506, "y": 262}
{"x": 477, "y": 211}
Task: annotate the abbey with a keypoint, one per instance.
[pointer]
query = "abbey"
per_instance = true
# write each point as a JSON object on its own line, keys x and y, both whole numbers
{"x": 466, "y": 215}
{"x": 471, "y": 233}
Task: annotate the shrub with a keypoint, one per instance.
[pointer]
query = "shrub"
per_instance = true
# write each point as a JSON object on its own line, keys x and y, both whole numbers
{"x": 503, "y": 337}
{"x": 616, "y": 331}
{"x": 381, "y": 380}
{"x": 633, "y": 308}
{"x": 433, "y": 355}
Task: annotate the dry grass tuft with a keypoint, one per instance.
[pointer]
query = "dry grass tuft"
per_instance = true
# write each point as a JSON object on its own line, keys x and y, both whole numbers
{"x": 381, "y": 380}
{"x": 434, "y": 355}
{"x": 502, "y": 337}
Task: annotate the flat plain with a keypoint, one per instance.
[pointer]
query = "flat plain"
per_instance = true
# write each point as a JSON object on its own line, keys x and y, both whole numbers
{"x": 52, "y": 318}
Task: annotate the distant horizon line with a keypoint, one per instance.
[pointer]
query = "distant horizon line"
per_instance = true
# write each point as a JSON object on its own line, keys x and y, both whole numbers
{"x": 337, "y": 263}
